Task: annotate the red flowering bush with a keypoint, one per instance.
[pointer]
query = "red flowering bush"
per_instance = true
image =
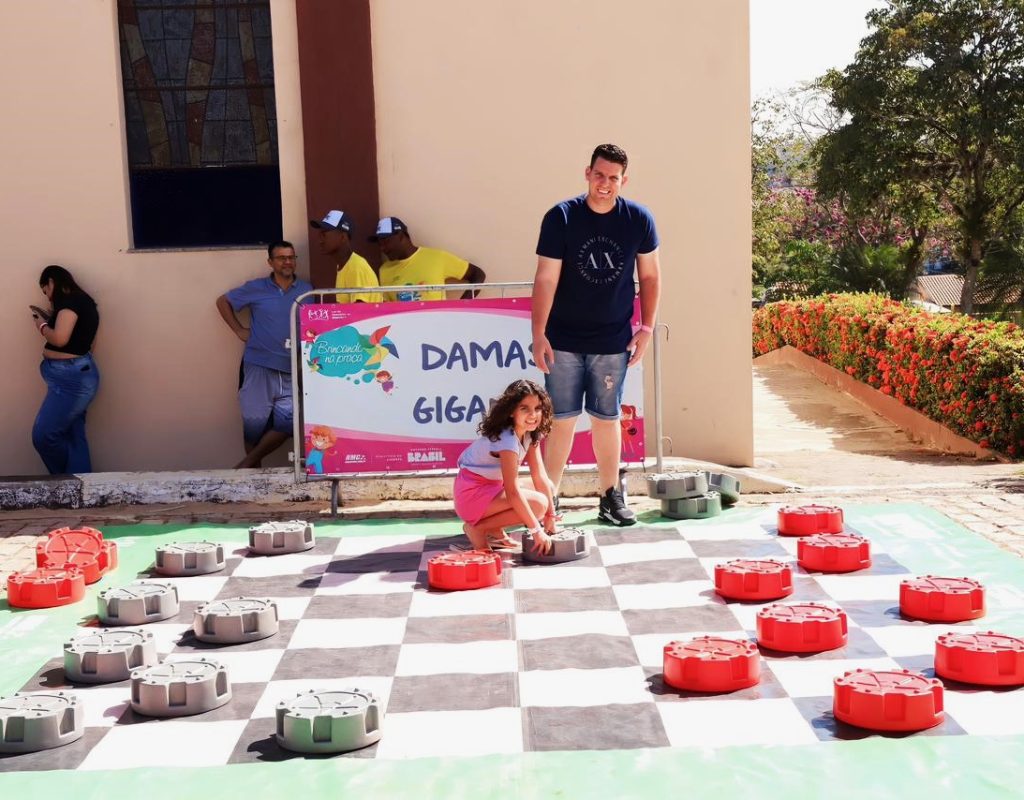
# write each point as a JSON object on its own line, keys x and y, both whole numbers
{"x": 964, "y": 373}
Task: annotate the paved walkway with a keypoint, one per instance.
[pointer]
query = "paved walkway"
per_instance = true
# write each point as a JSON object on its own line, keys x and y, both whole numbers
{"x": 805, "y": 432}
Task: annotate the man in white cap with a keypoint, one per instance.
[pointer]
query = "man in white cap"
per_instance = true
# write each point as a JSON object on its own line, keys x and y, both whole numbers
{"x": 405, "y": 264}
{"x": 354, "y": 271}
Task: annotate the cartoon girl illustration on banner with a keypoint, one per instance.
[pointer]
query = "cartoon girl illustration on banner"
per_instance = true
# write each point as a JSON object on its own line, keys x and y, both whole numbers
{"x": 321, "y": 439}
{"x": 384, "y": 378}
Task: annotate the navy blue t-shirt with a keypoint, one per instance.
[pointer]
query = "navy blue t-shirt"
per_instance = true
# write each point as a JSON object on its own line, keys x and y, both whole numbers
{"x": 594, "y": 300}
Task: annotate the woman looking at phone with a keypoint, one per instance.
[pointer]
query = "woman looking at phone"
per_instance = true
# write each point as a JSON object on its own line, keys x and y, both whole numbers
{"x": 68, "y": 329}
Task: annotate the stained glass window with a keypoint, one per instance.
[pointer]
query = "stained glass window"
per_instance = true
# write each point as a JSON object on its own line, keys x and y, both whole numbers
{"x": 198, "y": 79}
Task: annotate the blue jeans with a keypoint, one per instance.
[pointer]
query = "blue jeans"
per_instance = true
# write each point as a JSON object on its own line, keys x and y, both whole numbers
{"x": 59, "y": 431}
{"x": 579, "y": 380}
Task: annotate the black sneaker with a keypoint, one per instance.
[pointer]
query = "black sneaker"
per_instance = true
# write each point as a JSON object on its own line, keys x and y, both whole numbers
{"x": 613, "y": 509}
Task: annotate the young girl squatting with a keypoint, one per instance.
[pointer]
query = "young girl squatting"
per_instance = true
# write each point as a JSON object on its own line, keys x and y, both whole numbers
{"x": 487, "y": 493}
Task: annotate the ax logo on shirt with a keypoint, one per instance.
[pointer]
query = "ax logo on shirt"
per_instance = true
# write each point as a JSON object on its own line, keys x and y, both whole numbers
{"x": 600, "y": 260}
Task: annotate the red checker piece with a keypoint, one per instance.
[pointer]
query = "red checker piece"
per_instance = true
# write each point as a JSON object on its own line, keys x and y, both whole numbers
{"x": 935, "y": 599}
{"x": 989, "y": 659}
{"x": 897, "y": 700}
{"x": 81, "y": 547}
{"x": 801, "y": 628}
{"x": 749, "y": 579}
{"x": 45, "y": 587}
{"x": 711, "y": 664}
{"x": 833, "y": 552}
{"x": 457, "y": 571}
{"x": 809, "y": 520}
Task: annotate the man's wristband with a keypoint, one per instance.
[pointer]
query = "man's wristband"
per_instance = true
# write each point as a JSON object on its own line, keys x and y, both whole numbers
{"x": 647, "y": 328}
{"x": 535, "y": 531}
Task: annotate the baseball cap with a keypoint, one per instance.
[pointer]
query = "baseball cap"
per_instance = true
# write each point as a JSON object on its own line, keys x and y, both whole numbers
{"x": 333, "y": 220}
{"x": 388, "y": 226}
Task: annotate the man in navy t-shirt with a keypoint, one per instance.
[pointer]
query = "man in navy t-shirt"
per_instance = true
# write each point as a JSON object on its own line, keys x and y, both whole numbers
{"x": 582, "y": 306}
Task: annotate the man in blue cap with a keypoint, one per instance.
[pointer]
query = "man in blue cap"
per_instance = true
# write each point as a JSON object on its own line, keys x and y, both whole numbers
{"x": 405, "y": 264}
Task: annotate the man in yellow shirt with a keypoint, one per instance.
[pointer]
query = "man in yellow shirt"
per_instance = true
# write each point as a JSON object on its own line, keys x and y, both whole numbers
{"x": 354, "y": 272}
{"x": 405, "y": 264}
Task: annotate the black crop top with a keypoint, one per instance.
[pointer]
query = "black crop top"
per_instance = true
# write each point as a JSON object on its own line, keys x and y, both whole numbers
{"x": 80, "y": 341}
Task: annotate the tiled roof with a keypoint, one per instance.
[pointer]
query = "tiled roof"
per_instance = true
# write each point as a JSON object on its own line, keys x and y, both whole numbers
{"x": 945, "y": 290}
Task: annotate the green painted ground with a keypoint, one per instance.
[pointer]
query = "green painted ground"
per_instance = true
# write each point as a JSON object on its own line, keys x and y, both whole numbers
{"x": 874, "y": 768}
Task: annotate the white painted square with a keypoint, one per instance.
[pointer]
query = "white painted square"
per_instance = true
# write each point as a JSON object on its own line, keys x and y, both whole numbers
{"x": 379, "y": 545}
{"x": 632, "y": 552}
{"x": 862, "y": 587}
{"x": 650, "y": 647}
{"x": 720, "y": 723}
{"x": 167, "y": 634}
{"x": 789, "y": 544}
{"x": 360, "y": 632}
{"x": 277, "y": 691}
{"x": 583, "y": 687}
{"x": 455, "y": 734}
{"x": 806, "y": 678}
{"x": 751, "y": 531}
{"x": 291, "y": 607}
{"x": 450, "y": 604}
{"x": 340, "y": 583}
{"x": 103, "y": 707}
{"x": 288, "y": 564}
{"x": 554, "y": 577}
{"x": 666, "y": 595}
{"x": 466, "y": 657}
{"x": 548, "y": 624}
{"x": 244, "y": 666}
{"x": 199, "y": 587}
{"x": 900, "y": 641}
{"x": 170, "y": 743}
{"x": 987, "y": 713}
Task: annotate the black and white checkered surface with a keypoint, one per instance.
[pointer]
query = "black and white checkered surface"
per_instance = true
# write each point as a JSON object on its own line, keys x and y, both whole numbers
{"x": 558, "y": 657}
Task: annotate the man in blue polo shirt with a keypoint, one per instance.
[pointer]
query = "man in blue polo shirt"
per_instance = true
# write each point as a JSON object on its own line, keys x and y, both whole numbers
{"x": 266, "y": 392}
{"x": 583, "y": 294}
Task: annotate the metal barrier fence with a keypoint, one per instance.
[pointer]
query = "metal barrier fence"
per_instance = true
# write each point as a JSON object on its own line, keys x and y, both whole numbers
{"x": 505, "y": 289}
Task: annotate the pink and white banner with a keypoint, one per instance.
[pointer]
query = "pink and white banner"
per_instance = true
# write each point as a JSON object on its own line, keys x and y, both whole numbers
{"x": 399, "y": 387}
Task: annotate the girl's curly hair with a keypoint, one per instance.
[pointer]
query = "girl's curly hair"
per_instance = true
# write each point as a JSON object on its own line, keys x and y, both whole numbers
{"x": 500, "y": 415}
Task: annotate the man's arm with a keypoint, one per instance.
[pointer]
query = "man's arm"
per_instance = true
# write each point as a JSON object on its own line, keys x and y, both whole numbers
{"x": 473, "y": 275}
{"x": 648, "y": 272}
{"x": 544, "y": 284}
{"x": 228, "y": 314}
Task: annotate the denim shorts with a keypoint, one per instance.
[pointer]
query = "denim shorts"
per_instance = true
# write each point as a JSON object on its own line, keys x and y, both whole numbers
{"x": 579, "y": 381}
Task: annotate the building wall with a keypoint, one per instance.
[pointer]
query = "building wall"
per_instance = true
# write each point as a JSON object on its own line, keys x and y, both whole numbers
{"x": 487, "y": 114}
{"x": 168, "y": 364}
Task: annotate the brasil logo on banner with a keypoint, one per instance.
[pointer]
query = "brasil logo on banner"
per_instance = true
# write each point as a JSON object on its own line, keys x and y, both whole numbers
{"x": 399, "y": 387}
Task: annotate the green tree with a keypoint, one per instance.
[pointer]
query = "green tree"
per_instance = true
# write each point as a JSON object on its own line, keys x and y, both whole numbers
{"x": 780, "y": 158}
{"x": 933, "y": 105}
